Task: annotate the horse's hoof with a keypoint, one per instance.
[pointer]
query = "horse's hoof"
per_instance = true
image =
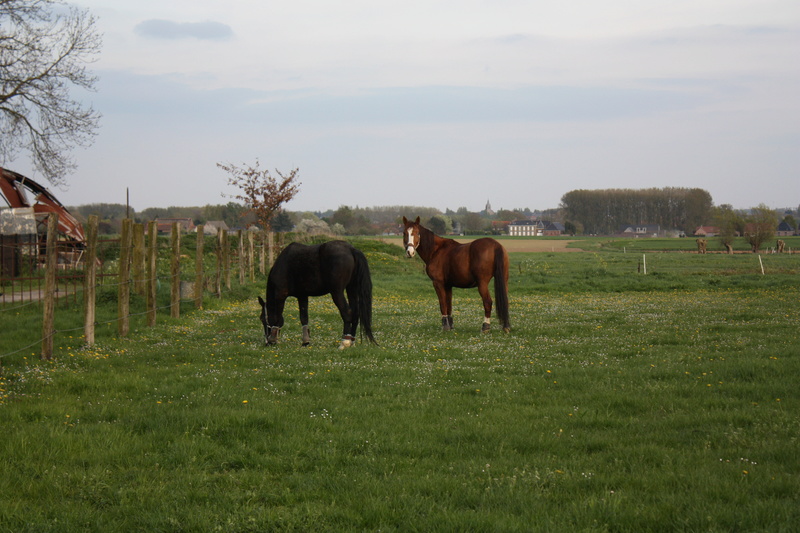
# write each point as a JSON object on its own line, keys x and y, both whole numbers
{"x": 485, "y": 328}
{"x": 307, "y": 343}
{"x": 507, "y": 329}
{"x": 346, "y": 343}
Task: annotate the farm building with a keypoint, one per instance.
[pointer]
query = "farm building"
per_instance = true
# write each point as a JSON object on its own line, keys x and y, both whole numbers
{"x": 534, "y": 228}
{"x": 640, "y": 230}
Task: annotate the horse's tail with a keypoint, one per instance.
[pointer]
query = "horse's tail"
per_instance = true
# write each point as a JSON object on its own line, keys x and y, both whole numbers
{"x": 363, "y": 288}
{"x": 501, "y": 285}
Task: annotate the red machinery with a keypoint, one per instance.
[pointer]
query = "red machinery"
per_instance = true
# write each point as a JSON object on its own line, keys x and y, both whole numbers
{"x": 18, "y": 191}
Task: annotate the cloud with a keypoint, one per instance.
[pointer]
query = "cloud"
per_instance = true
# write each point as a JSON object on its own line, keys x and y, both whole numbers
{"x": 170, "y": 96}
{"x": 167, "y": 29}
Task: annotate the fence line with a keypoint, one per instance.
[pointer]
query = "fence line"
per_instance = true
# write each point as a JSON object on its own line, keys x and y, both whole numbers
{"x": 135, "y": 258}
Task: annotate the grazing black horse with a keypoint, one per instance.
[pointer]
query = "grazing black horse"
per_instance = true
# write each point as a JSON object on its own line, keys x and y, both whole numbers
{"x": 334, "y": 267}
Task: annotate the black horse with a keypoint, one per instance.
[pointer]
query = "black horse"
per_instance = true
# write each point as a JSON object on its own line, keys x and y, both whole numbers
{"x": 334, "y": 267}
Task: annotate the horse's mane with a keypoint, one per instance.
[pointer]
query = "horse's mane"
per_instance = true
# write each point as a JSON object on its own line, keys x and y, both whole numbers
{"x": 426, "y": 238}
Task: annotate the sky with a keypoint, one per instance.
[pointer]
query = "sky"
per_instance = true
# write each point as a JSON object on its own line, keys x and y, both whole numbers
{"x": 443, "y": 103}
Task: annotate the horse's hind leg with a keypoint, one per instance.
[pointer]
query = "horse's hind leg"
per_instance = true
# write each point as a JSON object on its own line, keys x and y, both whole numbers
{"x": 348, "y": 338}
{"x": 483, "y": 290}
{"x": 352, "y": 298}
{"x": 302, "y": 304}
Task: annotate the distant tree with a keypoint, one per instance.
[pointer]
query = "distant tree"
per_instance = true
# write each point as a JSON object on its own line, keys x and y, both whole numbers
{"x": 570, "y": 228}
{"x": 789, "y": 219}
{"x": 761, "y": 226}
{"x": 344, "y": 216}
{"x": 440, "y": 224}
{"x": 604, "y": 211}
{"x": 261, "y": 193}
{"x": 474, "y": 223}
{"x": 312, "y": 226}
{"x": 282, "y": 222}
{"x": 506, "y": 214}
{"x": 729, "y": 223}
{"x": 45, "y": 46}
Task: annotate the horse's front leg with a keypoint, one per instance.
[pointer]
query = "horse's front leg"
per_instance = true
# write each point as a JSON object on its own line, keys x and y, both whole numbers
{"x": 302, "y": 304}
{"x": 445, "y": 295}
{"x": 348, "y": 338}
{"x": 483, "y": 290}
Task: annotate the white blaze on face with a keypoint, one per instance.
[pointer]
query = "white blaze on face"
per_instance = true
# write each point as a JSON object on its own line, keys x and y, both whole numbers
{"x": 410, "y": 248}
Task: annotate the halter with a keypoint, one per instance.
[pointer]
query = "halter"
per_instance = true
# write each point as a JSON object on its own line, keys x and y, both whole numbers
{"x": 410, "y": 242}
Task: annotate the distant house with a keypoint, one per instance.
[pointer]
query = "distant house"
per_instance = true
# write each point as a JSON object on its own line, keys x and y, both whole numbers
{"x": 706, "y": 231}
{"x": 212, "y": 227}
{"x": 640, "y": 230}
{"x": 535, "y": 228}
{"x": 164, "y": 225}
{"x": 784, "y": 229}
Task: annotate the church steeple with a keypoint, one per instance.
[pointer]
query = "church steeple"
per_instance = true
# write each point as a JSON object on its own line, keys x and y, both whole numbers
{"x": 489, "y": 210}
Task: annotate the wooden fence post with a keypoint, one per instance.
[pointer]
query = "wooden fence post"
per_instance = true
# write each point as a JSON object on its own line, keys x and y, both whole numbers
{"x": 251, "y": 264}
{"x": 138, "y": 266}
{"x": 51, "y": 264}
{"x": 152, "y": 274}
{"x": 262, "y": 267}
{"x": 90, "y": 280}
{"x": 241, "y": 256}
{"x": 124, "y": 298}
{"x": 175, "y": 271}
{"x": 271, "y": 246}
{"x": 218, "y": 274}
{"x": 198, "y": 268}
{"x": 226, "y": 260}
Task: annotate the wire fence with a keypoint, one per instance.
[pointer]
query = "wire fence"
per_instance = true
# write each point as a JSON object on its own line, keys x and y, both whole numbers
{"x": 63, "y": 278}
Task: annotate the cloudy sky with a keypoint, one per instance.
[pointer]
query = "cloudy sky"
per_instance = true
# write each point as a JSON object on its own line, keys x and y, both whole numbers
{"x": 444, "y": 103}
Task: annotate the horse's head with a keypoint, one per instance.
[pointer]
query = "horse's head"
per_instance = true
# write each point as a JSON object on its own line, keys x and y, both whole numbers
{"x": 411, "y": 236}
{"x": 272, "y": 324}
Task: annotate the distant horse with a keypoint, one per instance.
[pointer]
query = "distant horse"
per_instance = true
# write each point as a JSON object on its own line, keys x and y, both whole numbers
{"x": 451, "y": 264}
{"x": 333, "y": 268}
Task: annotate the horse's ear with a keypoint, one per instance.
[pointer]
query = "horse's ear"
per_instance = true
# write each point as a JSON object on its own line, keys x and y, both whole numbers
{"x": 405, "y": 220}
{"x": 416, "y": 221}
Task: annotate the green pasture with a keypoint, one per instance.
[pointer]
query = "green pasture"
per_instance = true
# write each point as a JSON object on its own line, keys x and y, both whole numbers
{"x": 620, "y": 401}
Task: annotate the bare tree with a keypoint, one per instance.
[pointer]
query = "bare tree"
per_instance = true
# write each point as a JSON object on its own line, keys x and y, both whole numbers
{"x": 261, "y": 193}
{"x": 45, "y": 46}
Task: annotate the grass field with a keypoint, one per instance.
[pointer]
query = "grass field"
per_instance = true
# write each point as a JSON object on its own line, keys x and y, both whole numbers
{"x": 619, "y": 402}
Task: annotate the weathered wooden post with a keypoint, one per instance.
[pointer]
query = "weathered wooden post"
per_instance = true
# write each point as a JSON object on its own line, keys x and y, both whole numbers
{"x": 138, "y": 266}
{"x": 152, "y": 275}
{"x": 90, "y": 280}
{"x": 124, "y": 294}
{"x": 262, "y": 267}
{"x": 241, "y": 256}
{"x": 218, "y": 274}
{"x": 251, "y": 264}
{"x": 175, "y": 271}
{"x": 198, "y": 268}
{"x": 271, "y": 245}
{"x": 226, "y": 260}
{"x": 51, "y": 264}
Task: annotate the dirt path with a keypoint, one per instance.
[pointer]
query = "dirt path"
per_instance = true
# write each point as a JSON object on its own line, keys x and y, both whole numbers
{"x": 512, "y": 245}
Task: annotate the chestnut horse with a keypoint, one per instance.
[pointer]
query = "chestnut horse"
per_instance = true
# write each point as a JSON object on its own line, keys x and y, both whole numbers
{"x": 452, "y": 264}
{"x": 333, "y": 267}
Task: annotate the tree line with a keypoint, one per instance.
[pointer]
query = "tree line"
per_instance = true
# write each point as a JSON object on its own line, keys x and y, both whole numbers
{"x": 605, "y": 211}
